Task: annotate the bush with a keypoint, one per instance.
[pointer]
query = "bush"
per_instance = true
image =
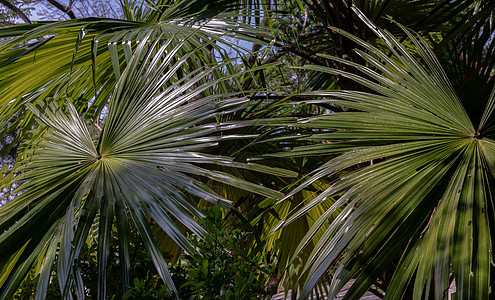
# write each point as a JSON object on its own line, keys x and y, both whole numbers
{"x": 226, "y": 269}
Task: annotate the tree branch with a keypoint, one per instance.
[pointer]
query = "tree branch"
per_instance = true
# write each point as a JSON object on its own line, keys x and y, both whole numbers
{"x": 16, "y": 10}
{"x": 65, "y": 9}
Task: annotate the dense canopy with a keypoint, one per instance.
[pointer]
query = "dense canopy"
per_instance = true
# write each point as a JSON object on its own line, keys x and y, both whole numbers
{"x": 323, "y": 144}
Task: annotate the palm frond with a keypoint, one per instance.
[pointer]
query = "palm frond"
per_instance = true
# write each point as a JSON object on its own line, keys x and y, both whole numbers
{"x": 419, "y": 180}
{"x": 148, "y": 161}
{"x": 84, "y": 57}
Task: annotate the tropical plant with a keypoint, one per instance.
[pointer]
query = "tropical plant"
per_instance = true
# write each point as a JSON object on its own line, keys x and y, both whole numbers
{"x": 121, "y": 123}
{"x": 419, "y": 187}
{"x": 154, "y": 107}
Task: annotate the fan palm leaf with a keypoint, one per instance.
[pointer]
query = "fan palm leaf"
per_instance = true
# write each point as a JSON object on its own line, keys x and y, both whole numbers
{"x": 84, "y": 57}
{"x": 420, "y": 180}
{"x": 147, "y": 162}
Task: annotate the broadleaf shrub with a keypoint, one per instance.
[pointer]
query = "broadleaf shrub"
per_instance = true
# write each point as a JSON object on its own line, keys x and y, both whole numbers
{"x": 225, "y": 270}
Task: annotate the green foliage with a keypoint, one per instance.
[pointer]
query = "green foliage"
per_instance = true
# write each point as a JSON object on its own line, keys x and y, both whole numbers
{"x": 164, "y": 100}
{"x": 398, "y": 126}
{"x": 27, "y": 287}
{"x": 226, "y": 269}
{"x": 421, "y": 180}
{"x": 140, "y": 290}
